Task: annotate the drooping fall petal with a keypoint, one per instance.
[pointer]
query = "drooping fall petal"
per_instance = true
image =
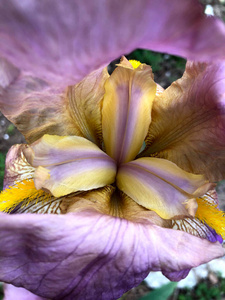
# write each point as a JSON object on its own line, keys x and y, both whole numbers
{"x": 126, "y": 112}
{"x": 160, "y": 185}
{"x": 188, "y": 122}
{"x": 176, "y": 276}
{"x": 61, "y": 257}
{"x": 69, "y": 164}
{"x": 52, "y": 40}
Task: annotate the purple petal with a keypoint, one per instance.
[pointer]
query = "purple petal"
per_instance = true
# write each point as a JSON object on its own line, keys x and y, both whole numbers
{"x": 188, "y": 122}
{"x": 11, "y": 293}
{"x": 176, "y": 276}
{"x": 84, "y": 254}
{"x": 64, "y": 41}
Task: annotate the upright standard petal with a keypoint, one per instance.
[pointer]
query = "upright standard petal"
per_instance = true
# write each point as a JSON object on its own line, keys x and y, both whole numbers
{"x": 85, "y": 104}
{"x": 60, "y": 257}
{"x": 32, "y": 105}
{"x": 126, "y": 112}
{"x": 69, "y": 164}
{"x": 64, "y": 41}
{"x": 36, "y": 108}
{"x": 188, "y": 122}
{"x": 160, "y": 185}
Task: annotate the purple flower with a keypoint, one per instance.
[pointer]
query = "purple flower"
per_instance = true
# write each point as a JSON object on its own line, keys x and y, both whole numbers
{"x": 117, "y": 178}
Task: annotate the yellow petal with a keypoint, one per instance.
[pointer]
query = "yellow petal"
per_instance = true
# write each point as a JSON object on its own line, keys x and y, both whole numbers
{"x": 126, "y": 112}
{"x": 159, "y": 185}
{"x": 69, "y": 164}
{"x": 209, "y": 213}
{"x": 22, "y": 193}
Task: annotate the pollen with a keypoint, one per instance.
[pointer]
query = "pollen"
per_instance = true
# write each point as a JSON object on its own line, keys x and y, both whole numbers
{"x": 135, "y": 63}
{"x": 21, "y": 193}
{"x": 209, "y": 214}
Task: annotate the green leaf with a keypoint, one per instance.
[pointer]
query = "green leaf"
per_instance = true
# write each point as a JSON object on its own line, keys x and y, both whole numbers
{"x": 161, "y": 293}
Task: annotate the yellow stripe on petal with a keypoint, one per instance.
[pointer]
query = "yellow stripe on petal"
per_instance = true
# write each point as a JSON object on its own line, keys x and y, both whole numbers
{"x": 126, "y": 112}
{"x": 21, "y": 193}
{"x": 159, "y": 185}
{"x": 210, "y": 214}
{"x": 69, "y": 164}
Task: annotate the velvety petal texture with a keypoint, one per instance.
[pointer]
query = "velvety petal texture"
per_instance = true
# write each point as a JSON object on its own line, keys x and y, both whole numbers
{"x": 60, "y": 257}
{"x": 160, "y": 185}
{"x": 69, "y": 164}
{"x": 52, "y": 40}
{"x": 188, "y": 122}
{"x": 126, "y": 112}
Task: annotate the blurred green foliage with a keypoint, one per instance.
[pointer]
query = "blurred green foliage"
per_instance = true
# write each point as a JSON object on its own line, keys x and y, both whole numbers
{"x": 157, "y": 60}
{"x": 1, "y": 291}
{"x": 154, "y": 59}
{"x": 203, "y": 291}
{"x": 164, "y": 292}
{"x": 11, "y": 129}
{"x": 2, "y": 169}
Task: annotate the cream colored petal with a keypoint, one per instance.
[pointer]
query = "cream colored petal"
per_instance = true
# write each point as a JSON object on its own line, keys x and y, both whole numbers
{"x": 98, "y": 200}
{"x": 126, "y": 112}
{"x": 208, "y": 221}
{"x": 195, "y": 227}
{"x": 17, "y": 167}
{"x": 159, "y": 185}
{"x": 188, "y": 122}
{"x": 69, "y": 164}
{"x": 52, "y": 206}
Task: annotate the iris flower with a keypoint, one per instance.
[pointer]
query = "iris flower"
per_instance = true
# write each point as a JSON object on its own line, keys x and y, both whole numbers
{"x": 117, "y": 178}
